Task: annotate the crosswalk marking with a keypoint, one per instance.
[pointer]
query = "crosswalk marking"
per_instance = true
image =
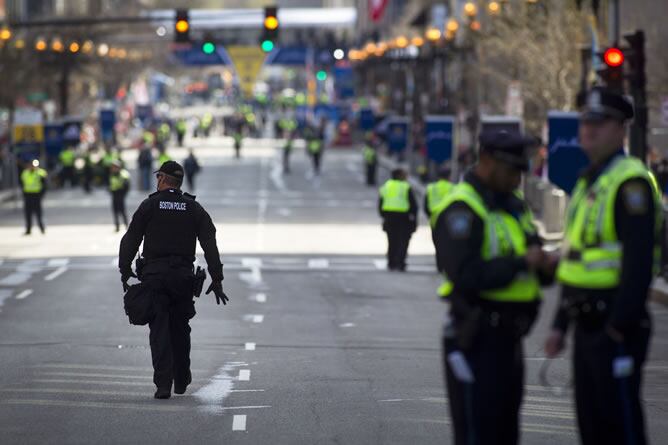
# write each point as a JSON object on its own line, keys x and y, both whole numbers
{"x": 23, "y": 294}
{"x": 239, "y": 422}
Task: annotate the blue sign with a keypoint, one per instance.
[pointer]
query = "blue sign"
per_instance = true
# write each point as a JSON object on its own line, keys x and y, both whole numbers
{"x": 439, "y": 131}
{"x": 194, "y": 56}
{"x": 367, "y": 120}
{"x": 344, "y": 82}
{"x": 144, "y": 113}
{"x": 565, "y": 158}
{"x": 71, "y": 134}
{"x": 298, "y": 56}
{"x": 107, "y": 124}
{"x": 53, "y": 138}
{"x": 397, "y": 134}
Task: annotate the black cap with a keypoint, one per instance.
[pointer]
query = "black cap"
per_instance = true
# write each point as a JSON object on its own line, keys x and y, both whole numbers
{"x": 600, "y": 103}
{"x": 506, "y": 146}
{"x": 171, "y": 168}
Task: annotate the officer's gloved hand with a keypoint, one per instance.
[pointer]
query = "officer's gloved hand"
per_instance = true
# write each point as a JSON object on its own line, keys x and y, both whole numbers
{"x": 125, "y": 276}
{"x": 217, "y": 288}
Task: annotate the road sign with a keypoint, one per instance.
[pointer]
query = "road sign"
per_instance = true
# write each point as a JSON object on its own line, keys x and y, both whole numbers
{"x": 439, "y": 134}
{"x": 248, "y": 61}
{"x": 397, "y": 133}
{"x": 28, "y": 127}
{"x": 107, "y": 124}
{"x": 565, "y": 158}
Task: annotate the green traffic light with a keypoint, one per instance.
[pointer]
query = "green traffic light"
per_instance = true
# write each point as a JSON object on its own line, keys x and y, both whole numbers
{"x": 267, "y": 45}
{"x": 321, "y": 75}
{"x": 208, "y": 48}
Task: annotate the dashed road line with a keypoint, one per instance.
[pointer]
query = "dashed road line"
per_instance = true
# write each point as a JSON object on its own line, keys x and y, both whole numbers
{"x": 244, "y": 375}
{"x": 239, "y": 422}
{"x": 56, "y": 273}
{"x": 318, "y": 263}
{"x": 255, "y": 318}
{"x": 249, "y": 346}
{"x": 23, "y": 294}
{"x": 58, "y": 262}
{"x": 260, "y": 298}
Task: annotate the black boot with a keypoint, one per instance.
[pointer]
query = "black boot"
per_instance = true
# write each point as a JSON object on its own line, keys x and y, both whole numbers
{"x": 163, "y": 393}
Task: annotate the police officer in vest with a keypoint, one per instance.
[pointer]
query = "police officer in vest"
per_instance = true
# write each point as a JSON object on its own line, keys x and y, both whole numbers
{"x": 494, "y": 267}
{"x": 398, "y": 208}
{"x": 33, "y": 181}
{"x": 119, "y": 185}
{"x": 67, "y": 158}
{"x": 169, "y": 222}
{"x": 434, "y": 195}
{"x": 370, "y": 159}
{"x": 609, "y": 258}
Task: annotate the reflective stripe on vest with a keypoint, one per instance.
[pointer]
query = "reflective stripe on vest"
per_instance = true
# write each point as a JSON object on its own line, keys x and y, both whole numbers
{"x": 32, "y": 180}
{"x": 436, "y": 192}
{"x": 504, "y": 236}
{"x": 395, "y": 196}
{"x": 592, "y": 256}
{"x": 117, "y": 182}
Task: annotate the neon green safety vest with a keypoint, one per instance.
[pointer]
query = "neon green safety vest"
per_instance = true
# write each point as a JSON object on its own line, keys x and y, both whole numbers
{"x": 395, "y": 196}
{"x": 436, "y": 193}
{"x": 592, "y": 252}
{"x": 117, "y": 182}
{"x": 314, "y": 146}
{"x": 369, "y": 155}
{"x": 164, "y": 157}
{"x": 32, "y": 180}
{"x": 504, "y": 236}
{"x": 181, "y": 126}
{"x": 67, "y": 157}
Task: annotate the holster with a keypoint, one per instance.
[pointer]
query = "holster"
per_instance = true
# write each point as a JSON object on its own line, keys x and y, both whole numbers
{"x": 198, "y": 281}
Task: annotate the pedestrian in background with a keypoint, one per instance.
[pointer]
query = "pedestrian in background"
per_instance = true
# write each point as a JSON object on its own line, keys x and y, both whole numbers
{"x": 398, "y": 208}
{"x": 119, "y": 186}
{"x": 192, "y": 168}
{"x": 370, "y": 154}
{"x": 33, "y": 182}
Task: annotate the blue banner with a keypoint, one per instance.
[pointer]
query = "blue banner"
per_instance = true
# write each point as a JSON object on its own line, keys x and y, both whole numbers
{"x": 71, "y": 132}
{"x": 565, "y": 158}
{"x": 194, "y": 56}
{"x": 367, "y": 120}
{"x": 298, "y": 55}
{"x": 397, "y": 134}
{"x": 107, "y": 125}
{"x": 344, "y": 82}
{"x": 53, "y": 138}
{"x": 439, "y": 134}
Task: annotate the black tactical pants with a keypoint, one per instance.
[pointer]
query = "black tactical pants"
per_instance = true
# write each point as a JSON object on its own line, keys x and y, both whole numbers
{"x": 32, "y": 205}
{"x": 486, "y": 411}
{"x": 170, "y": 329}
{"x": 399, "y": 230}
{"x": 371, "y": 169}
{"x": 118, "y": 208}
{"x": 608, "y": 407}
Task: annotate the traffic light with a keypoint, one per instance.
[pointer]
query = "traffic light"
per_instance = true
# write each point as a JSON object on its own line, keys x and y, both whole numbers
{"x": 182, "y": 26}
{"x": 208, "y": 45}
{"x": 270, "y": 29}
{"x": 612, "y": 72}
{"x": 321, "y": 75}
{"x": 636, "y": 60}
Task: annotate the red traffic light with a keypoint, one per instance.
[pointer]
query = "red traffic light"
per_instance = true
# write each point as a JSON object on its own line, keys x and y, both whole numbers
{"x": 613, "y": 57}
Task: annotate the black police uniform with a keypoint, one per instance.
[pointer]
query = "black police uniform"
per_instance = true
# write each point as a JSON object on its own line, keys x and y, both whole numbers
{"x": 399, "y": 228}
{"x": 609, "y": 409}
{"x": 169, "y": 222}
{"x": 487, "y": 333}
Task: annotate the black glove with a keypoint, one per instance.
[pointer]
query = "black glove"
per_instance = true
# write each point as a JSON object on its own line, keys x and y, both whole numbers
{"x": 217, "y": 288}
{"x": 125, "y": 276}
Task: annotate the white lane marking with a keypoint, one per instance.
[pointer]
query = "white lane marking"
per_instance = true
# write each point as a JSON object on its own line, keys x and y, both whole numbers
{"x": 16, "y": 278}
{"x": 255, "y": 318}
{"x": 56, "y": 273}
{"x": 318, "y": 263}
{"x": 260, "y": 298}
{"x": 251, "y": 262}
{"x": 380, "y": 264}
{"x": 250, "y": 346}
{"x": 244, "y": 375}
{"x": 276, "y": 175}
{"x": 23, "y": 294}
{"x": 213, "y": 394}
{"x": 245, "y": 390}
{"x": 58, "y": 262}
{"x": 239, "y": 422}
{"x": 347, "y": 325}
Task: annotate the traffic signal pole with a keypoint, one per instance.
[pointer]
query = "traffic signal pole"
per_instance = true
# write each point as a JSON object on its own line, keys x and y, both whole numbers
{"x": 638, "y": 90}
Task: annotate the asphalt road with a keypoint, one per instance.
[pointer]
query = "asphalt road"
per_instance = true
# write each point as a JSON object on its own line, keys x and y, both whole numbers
{"x": 320, "y": 344}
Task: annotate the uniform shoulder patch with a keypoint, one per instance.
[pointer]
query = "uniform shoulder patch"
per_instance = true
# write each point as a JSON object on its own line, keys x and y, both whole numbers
{"x": 458, "y": 223}
{"x": 636, "y": 198}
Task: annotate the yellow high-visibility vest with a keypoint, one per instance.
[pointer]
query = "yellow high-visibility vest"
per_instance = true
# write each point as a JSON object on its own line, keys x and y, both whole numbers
{"x": 395, "y": 196}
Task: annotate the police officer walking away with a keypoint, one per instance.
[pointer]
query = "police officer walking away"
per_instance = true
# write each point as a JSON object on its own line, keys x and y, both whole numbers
{"x": 611, "y": 250}
{"x": 169, "y": 222}
{"x": 398, "y": 208}
{"x": 370, "y": 159}
{"x": 119, "y": 185}
{"x": 494, "y": 266}
{"x": 33, "y": 181}
{"x": 434, "y": 195}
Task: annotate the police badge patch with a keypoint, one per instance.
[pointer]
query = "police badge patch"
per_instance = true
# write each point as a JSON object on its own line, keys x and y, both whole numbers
{"x": 459, "y": 224}
{"x": 636, "y": 198}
